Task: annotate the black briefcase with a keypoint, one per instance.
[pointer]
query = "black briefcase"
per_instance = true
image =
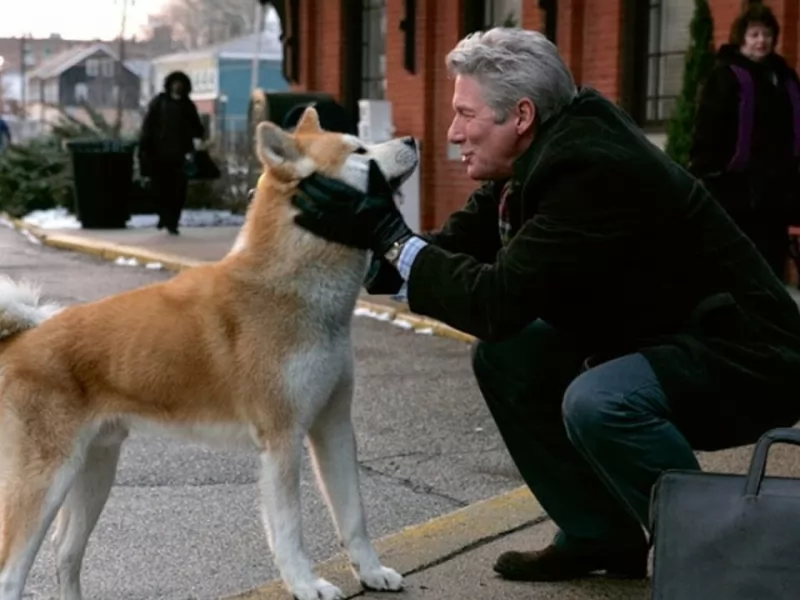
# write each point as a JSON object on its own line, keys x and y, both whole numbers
{"x": 723, "y": 536}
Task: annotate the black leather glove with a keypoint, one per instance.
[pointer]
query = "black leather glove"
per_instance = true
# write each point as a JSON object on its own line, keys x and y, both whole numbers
{"x": 340, "y": 213}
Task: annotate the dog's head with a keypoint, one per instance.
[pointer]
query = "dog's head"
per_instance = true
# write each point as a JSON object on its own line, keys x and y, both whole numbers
{"x": 289, "y": 157}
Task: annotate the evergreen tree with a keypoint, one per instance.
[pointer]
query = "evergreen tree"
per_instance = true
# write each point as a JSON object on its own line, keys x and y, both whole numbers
{"x": 699, "y": 60}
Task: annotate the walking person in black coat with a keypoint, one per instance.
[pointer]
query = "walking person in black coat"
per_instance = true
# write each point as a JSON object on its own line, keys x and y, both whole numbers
{"x": 623, "y": 319}
{"x": 746, "y": 145}
{"x": 171, "y": 132}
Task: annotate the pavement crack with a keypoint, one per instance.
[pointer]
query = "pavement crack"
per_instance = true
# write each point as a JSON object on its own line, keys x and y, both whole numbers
{"x": 417, "y": 487}
{"x": 407, "y": 454}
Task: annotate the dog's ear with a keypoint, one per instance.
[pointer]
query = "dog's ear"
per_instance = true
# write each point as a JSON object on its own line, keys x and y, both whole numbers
{"x": 309, "y": 121}
{"x": 275, "y": 146}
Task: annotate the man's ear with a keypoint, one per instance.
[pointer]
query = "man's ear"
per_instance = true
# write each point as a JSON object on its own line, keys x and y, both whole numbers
{"x": 275, "y": 146}
{"x": 526, "y": 115}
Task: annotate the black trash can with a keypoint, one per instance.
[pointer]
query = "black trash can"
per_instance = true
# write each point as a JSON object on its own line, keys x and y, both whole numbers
{"x": 103, "y": 176}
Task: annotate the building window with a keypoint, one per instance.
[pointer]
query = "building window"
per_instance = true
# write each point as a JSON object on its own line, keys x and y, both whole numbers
{"x": 92, "y": 67}
{"x": 373, "y": 49}
{"x": 668, "y": 41}
{"x": 108, "y": 67}
{"x": 81, "y": 93}
{"x": 503, "y": 13}
{"x": 51, "y": 92}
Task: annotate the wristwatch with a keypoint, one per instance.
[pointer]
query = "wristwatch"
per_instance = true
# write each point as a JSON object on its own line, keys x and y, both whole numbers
{"x": 395, "y": 250}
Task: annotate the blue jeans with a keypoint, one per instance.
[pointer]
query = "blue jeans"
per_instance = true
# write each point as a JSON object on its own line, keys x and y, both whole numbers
{"x": 589, "y": 444}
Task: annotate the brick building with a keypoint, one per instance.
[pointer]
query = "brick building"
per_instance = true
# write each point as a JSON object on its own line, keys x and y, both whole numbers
{"x": 630, "y": 50}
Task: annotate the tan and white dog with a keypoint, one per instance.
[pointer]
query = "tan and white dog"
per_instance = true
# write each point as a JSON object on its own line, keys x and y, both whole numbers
{"x": 253, "y": 350}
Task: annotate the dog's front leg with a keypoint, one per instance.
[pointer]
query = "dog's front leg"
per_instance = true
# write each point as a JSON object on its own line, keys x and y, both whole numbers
{"x": 281, "y": 511}
{"x": 333, "y": 448}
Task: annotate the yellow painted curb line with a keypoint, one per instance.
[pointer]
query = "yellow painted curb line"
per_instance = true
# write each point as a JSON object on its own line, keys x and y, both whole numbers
{"x": 111, "y": 251}
{"x": 427, "y": 544}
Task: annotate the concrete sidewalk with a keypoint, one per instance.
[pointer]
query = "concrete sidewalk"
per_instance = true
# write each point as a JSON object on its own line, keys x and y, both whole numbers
{"x": 450, "y": 556}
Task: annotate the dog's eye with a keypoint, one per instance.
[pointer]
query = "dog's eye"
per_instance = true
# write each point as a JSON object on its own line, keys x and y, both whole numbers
{"x": 360, "y": 150}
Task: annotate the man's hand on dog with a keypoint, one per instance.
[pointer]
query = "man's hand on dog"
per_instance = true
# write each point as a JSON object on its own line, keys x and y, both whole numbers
{"x": 340, "y": 213}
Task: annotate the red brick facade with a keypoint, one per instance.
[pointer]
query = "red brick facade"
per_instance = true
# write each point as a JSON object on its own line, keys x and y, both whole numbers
{"x": 593, "y": 36}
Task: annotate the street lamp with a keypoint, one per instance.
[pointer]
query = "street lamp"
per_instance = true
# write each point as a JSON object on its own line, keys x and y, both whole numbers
{"x": 2, "y": 87}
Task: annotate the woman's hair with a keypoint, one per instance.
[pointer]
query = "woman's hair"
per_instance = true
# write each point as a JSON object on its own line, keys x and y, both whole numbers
{"x": 755, "y": 14}
{"x": 511, "y": 64}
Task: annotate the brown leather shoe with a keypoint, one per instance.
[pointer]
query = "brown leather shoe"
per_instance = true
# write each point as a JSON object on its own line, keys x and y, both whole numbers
{"x": 556, "y": 564}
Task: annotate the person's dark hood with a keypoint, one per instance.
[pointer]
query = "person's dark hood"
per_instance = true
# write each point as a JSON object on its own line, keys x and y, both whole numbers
{"x": 730, "y": 54}
{"x": 178, "y": 76}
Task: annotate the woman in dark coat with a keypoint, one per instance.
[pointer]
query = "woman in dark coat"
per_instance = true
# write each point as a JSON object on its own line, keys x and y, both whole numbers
{"x": 747, "y": 134}
{"x": 170, "y": 133}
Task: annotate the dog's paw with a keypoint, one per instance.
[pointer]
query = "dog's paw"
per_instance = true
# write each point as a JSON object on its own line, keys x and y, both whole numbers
{"x": 319, "y": 589}
{"x": 382, "y": 579}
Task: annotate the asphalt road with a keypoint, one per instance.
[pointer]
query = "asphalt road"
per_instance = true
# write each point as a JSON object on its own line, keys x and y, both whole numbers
{"x": 182, "y": 521}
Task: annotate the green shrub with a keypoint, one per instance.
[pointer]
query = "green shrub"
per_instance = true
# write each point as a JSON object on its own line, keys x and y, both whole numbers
{"x": 699, "y": 61}
{"x": 37, "y": 174}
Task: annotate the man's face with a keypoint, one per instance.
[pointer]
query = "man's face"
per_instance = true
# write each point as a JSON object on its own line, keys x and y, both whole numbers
{"x": 759, "y": 41}
{"x": 176, "y": 89}
{"x": 488, "y": 149}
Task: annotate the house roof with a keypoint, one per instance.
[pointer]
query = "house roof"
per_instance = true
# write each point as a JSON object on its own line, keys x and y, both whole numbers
{"x": 138, "y": 66}
{"x": 243, "y": 47}
{"x": 56, "y": 65}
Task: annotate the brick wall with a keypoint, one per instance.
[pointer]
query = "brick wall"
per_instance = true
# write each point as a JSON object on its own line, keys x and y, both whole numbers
{"x": 602, "y": 21}
{"x": 449, "y": 185}
{"x": 321, "y": 49}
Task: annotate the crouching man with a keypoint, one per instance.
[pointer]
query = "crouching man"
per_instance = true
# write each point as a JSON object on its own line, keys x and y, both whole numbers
{"x": 624, "y": 320}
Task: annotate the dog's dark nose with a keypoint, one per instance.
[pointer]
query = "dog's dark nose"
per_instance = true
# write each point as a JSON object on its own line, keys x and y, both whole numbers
{"x": 410, "y": 141}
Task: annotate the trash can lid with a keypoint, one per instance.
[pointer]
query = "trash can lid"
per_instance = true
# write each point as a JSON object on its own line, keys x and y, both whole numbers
{"x": 104, "y": 145}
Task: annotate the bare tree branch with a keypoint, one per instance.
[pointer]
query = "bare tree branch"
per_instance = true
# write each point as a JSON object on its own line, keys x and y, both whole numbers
{"x": 200, "y": 23}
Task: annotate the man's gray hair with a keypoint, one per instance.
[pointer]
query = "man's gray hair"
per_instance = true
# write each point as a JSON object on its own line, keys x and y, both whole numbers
{"x": 512, "y": 63}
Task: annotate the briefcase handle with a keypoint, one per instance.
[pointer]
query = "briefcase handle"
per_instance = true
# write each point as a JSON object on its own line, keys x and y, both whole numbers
{"x": 758, "y": 464}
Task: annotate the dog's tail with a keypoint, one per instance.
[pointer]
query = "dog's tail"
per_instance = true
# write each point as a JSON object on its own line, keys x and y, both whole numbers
{"x": 21, "y": 308}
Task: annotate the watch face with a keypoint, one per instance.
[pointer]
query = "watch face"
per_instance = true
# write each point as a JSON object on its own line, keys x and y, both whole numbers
{"x": 393, "y": 252}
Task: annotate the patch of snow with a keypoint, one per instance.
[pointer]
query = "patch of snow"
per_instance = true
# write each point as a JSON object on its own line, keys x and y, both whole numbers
{"x": 60, "y": 218}
{"x": 388, "y": 317}
{"x": 6, "y": 223}
{"x": 130, "y": 262}
{"x": 30, "y": 237}
{"x": 403, "y": 324}
{"x": 366, "y": 312}
{"x": 52, "y": 218}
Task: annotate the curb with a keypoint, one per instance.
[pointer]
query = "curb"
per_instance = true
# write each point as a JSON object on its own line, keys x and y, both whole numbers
{"x": 172, "y": 262}
{"x": 419, "y": 547}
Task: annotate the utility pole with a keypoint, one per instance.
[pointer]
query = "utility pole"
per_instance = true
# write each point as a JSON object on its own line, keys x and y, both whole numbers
{"x": 261, "y": 11}
{"x": 120, "y": 71}
{"x": 23, "y": 77}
